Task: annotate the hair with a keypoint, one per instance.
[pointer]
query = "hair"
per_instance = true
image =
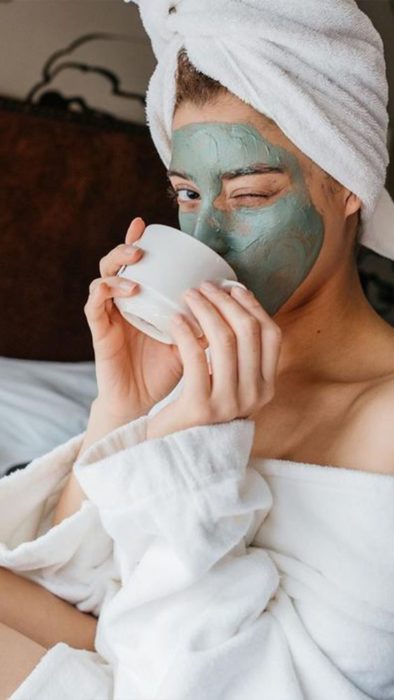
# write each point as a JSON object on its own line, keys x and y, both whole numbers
{"x": 199, "y": 89}
{"x": 193, "y": 86}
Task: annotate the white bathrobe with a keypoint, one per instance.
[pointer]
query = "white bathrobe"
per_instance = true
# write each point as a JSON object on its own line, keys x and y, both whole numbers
{"x": 214, "y": 577}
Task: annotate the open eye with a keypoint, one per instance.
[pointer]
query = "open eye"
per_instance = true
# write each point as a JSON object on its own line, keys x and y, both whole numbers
{"x": 182, "y": 194}
{"x": 186, "y": 195}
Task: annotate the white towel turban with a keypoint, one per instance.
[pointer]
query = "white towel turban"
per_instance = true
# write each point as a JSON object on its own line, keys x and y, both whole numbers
{"x": 316, "y": 67}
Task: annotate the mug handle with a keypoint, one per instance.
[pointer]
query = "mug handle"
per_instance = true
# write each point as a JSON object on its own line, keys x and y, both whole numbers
{"x": 228, "y": 284}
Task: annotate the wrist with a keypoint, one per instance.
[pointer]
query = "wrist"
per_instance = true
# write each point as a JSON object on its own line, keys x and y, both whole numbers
{"x": 165, "y": 422}
{"x": 155, "y": 427}
{"x": 102, "y": 408}
{"x": 103, "y": 420}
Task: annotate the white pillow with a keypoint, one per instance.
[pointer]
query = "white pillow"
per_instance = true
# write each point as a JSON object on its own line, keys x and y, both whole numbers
{"x": 42, "y": 404}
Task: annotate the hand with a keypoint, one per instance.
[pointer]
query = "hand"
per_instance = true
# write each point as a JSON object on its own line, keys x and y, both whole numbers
{"x": 244, "y": 344}
{"x": 133, "y": 370}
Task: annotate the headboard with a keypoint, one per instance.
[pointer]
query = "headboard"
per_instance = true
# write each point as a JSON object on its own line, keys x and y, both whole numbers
{"x": 70, "y": 183}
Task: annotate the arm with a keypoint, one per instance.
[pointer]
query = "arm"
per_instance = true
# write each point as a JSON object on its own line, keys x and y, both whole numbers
{"x": 42, "y": 616}
{"x": 100, "y": 423}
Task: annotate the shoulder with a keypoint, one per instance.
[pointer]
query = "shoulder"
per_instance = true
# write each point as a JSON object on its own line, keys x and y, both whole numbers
{"x": 370, "y": 425}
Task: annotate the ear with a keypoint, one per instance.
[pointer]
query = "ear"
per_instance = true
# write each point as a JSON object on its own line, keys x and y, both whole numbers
{"x": 352, "y": 204}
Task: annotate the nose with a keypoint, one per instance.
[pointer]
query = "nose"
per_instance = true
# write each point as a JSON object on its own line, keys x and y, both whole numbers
{"x": 208, "y": 230}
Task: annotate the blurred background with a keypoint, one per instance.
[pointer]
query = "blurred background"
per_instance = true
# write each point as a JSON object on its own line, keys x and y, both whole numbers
{"x": 76, "y": 165}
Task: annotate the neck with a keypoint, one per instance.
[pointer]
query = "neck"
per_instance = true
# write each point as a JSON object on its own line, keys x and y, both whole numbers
{"x": 331, "y": 335}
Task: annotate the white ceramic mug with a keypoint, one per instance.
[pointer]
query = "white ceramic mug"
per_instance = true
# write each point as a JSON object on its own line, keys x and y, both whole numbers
{"x": 173, "y": 262}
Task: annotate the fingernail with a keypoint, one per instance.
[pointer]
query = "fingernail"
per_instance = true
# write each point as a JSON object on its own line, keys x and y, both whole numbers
{"x": 208, "y": 287}
{"x": 134, "y": 221}
{"x": 240, "y": 291}
{"x": 193, "y": 293}
{"x": 127, "y": 284}
{"x": 178, "y": 320}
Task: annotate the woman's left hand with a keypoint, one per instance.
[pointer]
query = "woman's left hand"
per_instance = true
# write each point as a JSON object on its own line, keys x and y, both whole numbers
{"x": 244, "y": 344}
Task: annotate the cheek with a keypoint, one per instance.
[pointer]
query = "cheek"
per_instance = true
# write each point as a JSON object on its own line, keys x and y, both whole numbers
{"x": 291, "y": 216}
{"x": 273, "y": 249}
{"x": 281, "y": 254}
{"x": 187, "y": 222}
{"x": 273, "y": 272}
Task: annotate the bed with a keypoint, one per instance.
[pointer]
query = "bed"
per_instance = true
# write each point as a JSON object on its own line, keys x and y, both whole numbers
{"x": 70, "y": 184}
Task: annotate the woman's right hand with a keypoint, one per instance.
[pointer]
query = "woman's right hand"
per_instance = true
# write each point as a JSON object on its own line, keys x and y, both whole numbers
{"x": 133, "y": 370}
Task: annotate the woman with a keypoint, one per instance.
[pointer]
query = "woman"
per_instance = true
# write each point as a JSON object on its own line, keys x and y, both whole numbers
{"x": 223, "y": 566}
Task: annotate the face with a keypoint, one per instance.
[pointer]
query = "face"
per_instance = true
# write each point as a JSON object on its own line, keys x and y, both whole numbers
{"x": 242, "y": 190}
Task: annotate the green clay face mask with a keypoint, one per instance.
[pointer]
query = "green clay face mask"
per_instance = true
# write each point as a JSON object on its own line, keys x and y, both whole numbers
{"x": 272, "y": 243}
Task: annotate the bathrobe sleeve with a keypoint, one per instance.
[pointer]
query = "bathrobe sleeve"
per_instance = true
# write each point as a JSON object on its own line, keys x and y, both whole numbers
{"x": 182, "y": 511}
{"x": 73, "y": 559}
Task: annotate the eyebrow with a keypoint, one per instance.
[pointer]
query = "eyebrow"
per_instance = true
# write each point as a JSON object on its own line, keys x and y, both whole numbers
{"x": 256, "y": 169}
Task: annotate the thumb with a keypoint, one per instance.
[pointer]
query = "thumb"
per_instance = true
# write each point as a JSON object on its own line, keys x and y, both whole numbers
{"x": 135, "y": 230}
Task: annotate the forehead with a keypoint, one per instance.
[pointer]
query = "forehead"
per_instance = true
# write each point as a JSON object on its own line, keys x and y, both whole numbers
{"x": 228, "y": 109}
{"x": 226, "y": 146}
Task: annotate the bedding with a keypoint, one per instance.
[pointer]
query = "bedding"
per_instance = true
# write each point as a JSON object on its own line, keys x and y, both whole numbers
{"x": 42, "y": 404}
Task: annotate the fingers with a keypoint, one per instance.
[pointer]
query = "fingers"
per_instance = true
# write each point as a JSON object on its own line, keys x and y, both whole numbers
{"x": 135, "y": 230}
{"x": 101, "y": 293}
{"x": 244, "y": 342}
{"x": 247, "y": 330}
{"x": 222, "y": 346}
{"x": 124, "y": 253}
{"x": 196, "y": 376}
{"x": 271, "y": 334}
